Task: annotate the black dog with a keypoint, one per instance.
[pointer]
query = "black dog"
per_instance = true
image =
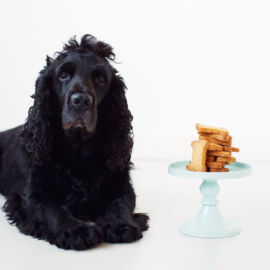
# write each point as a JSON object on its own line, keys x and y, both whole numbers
{"x": 70, "y": 162}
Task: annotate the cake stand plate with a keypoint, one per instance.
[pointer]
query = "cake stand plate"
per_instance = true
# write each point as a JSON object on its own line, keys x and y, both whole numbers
{"x": 209, "y": 223}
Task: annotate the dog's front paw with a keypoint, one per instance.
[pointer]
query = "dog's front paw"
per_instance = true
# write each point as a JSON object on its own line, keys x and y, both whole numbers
{"x": 122, "y": 232}
{"x": 80, "y": 238}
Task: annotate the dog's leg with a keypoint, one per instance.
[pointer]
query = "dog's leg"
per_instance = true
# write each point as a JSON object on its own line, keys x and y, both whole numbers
{"x": 119, "y": 225}
{"x": 13, "y": 209}
{"x": 35, "y": 212}
{"x": 55, "y": 224}
{"x": 141, "y": 220}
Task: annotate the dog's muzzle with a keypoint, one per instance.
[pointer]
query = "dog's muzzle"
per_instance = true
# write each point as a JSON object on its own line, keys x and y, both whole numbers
{"x": 79, "y": 112}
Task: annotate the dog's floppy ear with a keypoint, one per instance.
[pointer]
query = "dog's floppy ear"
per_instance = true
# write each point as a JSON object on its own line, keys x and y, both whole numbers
{"x": 36, "y": 137}
{"x": 119, "y": 128}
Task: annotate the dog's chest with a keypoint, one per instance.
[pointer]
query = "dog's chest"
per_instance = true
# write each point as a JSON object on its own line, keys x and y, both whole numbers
{"x": 80, "y": 188}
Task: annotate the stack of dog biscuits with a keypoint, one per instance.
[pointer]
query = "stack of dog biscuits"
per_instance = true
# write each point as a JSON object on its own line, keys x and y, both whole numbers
{"x": 213, "y": 150}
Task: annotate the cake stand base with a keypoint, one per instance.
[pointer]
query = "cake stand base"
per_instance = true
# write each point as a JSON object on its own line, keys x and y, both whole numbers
{"x": 209, "y": 224}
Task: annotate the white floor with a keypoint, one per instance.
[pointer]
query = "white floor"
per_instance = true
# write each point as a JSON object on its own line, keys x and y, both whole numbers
{"x": 169, "y": 201}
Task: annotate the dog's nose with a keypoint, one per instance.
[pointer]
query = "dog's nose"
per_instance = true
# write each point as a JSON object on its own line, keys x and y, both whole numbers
{"x": 81, "y": 101}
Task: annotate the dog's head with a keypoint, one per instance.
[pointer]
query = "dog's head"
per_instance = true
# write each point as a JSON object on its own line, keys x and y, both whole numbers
{"x": 70, "y": 91}
{"x": 81, "y": 77}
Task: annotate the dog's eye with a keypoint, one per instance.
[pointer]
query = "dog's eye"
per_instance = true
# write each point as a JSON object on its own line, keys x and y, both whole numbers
{"x": 100, "y": 79}
{"x": 64, "y": 75}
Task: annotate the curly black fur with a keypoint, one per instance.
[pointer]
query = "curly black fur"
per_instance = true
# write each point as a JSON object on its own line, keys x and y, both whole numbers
{"x": 56, "y": 175}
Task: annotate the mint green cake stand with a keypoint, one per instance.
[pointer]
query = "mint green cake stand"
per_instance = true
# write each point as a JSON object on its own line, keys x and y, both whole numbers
{"x": 209, "y": 223}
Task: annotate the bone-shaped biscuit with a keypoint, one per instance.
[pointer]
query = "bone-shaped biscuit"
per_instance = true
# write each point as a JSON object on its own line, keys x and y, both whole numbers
{"x": 215, "y": 165}
{"x": 219, "y": 170}
{"x": 217, "y": 136}
{"x": 215, "y": 147}
{"x": 197, "y": 163}
{"x": 209, "y": 129}
{"x": 218, "y": 153}
{"x": 212, "y": 140}
{"x": 227, "y": 160}
{"x": 230, "y": 149}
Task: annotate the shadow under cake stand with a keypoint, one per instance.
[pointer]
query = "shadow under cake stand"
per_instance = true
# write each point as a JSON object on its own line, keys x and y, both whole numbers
{"x": 209, "y": 223}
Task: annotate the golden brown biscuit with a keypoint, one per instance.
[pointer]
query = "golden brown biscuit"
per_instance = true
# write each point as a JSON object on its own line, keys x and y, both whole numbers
{"x": 230, "y": 149}
{"x": 226, "y": 160}
{"x": 218, "y": 153}
{"x": 209, "y": 129}
{"x": 217, "y": 136}
{"x": 197, "y": 163}
{"x": 219, "y": 170}
{"x": 210, "y": 158}
{"x": 215, "y": 147}
{"x": 214, "y": 164}
{"x": 212, "y": 140}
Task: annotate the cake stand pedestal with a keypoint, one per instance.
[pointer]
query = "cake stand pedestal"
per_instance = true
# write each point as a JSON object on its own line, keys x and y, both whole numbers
{"x": 209, "y": 223}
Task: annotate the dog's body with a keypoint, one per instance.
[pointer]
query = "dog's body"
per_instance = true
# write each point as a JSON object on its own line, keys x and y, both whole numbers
{"x": 70, "y": 162}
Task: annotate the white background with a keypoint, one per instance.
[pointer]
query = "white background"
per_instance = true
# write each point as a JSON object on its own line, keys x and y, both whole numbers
{"x": 184, "y": 62}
